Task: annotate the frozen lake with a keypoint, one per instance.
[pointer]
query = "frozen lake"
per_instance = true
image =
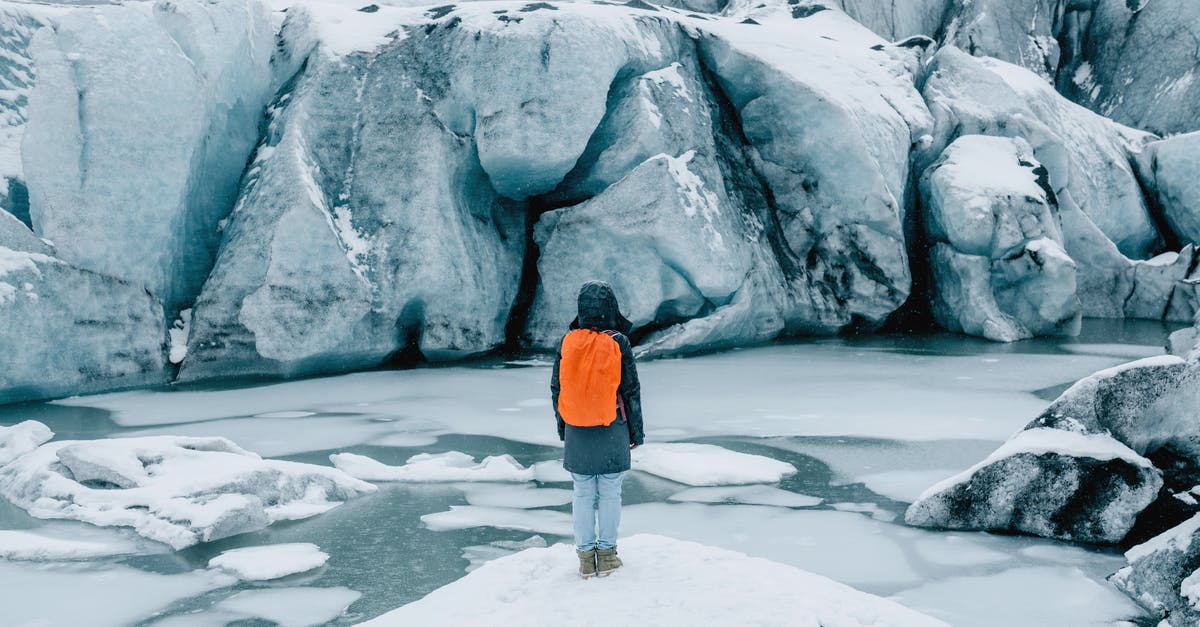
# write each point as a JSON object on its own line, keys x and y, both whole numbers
{"x": 869, "y": 423}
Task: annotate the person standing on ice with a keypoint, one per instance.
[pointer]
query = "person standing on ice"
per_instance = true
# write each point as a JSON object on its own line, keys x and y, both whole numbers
{"x": 598, "y": 404}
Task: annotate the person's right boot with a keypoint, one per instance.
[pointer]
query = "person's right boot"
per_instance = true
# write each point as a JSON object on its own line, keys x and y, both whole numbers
{"x": 607, "y": 561}
{"x": 587, "y": 563}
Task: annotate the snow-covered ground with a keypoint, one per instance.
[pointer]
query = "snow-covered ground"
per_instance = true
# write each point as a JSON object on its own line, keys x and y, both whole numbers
{"x": 820, "y": 446}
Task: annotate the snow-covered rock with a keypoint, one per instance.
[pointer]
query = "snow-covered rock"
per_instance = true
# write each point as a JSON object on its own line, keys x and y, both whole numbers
{"x": 1161, "y": 574}
{"x": 68, "y": 330}
{"x": 272, "y": 561}
{"x": 434, "y": 467}
{"x": 1079, "y": 472}
{"x": 692, "y": 584}
{"x": 1137, "y": 63}
{"x": 999, "y": 270}
{"x": 1047, "y": 482}
{"x": 22, "y": 438}
{"x": 1087, "y": 157}
{"x": 1171, "y": 171}
{"x": 175, "y": 490}
{"x": 708, "y": 465}
{"x": 140, "y": 123}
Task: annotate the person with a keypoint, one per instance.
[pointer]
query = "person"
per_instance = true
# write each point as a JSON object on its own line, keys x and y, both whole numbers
{"x": 597, "y": 402}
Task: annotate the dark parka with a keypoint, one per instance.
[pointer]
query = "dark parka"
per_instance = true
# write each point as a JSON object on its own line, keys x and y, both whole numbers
{"x": 602, "y": 450}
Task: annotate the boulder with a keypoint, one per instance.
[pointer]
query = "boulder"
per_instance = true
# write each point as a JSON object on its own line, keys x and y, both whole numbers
{"x": 1079, "y": 471}
{"x": 1171, "y": 171}
{"x": 1164, "y": 574}
{"x": 999, "y": 270}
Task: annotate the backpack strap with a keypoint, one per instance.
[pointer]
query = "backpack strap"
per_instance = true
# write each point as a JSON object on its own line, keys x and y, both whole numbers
{"x": 620, "y": 401}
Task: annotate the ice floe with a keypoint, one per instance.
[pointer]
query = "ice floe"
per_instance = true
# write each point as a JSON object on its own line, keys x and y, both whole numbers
{"x": 528, "y": 520}
{"x": 708, "y": 465}
{"x": 259, "y": 563}
{"x": 449, "y": 466}
{"x": 175, "y": 490}
{"x": 746, "y": 495}
{"x": 291, "y": 607}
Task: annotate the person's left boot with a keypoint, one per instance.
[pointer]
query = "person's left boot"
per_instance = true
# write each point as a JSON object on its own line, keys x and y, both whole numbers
{"x": 607, "y": 561}
{"x": 587, "y": 563}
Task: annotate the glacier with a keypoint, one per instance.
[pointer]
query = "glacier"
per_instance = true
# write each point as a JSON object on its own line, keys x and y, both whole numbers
{"x": 306, "y": 187}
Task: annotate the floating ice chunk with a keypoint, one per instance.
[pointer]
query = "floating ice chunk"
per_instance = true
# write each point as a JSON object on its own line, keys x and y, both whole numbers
{"x": 523, "y": 496}
{"x": 449, "y": 466}
{"x": 551, "y": 472}
{"x": 483, "y": 553}
{"x": 708, "y": 465}
{"x": 21, "y": 438}
{"x": 99, "y": 596}
{"x": 471, "y": 516}
{"x": 692, "y": 584}
{"x": 258, "y": 563}
{"x": 176, "y": 490}
{"x": 292, "y": 607}
{"x": 67, "y": 542}
{"x": 747, "y": 495}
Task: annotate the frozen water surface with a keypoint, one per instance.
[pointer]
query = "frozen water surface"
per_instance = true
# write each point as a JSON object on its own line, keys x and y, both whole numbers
{"x": 866, "y": 423}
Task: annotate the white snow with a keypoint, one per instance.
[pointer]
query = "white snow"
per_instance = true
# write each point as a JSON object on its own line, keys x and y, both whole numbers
{"x": 291, "y": 607}
{"x": 174, "y": 490}
{"x": 664, "y": 582}
{"x": 471, "y": 516}
{"x": 1178, "y": 537}
{"x": 904, "y": 485}
{"x": 22, "y": 438}
{"x": 1190, "y": 588}
{"x": 551, "y": 472}
{"x": 708, "y": 465}
{"x": 746, "y": 495}
{"x": 871, "y": 509}
{"x": 449, "y": 466}
{"x": 272, "y": 561}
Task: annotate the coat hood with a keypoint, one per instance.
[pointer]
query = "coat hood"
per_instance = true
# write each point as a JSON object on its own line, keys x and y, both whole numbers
{"x": 598, "y": 309}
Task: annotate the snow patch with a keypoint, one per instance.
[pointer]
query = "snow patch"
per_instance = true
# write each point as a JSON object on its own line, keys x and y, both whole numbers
{"x": 177, "y": 336}
{"x": 292, "y": 607}
{"x": 22, "y": 438}
{"x": 261, "y": 563}
{"x": 691, "y": 584}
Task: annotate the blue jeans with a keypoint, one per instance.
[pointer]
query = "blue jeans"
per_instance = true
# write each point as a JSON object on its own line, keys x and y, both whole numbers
{"x": 597, "y": 504}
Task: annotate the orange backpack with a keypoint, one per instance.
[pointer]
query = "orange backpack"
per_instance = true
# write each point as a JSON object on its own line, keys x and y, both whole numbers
{"x": 589, "y": 374}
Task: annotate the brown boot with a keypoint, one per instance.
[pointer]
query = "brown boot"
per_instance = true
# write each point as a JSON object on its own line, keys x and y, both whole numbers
{"x": 587, "y": 563}
{"x": 607, "y": 561}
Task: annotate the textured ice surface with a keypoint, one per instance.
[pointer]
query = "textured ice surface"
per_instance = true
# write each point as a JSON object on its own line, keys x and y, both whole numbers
{"x": 450, "y": 466}
{"x": 707, "y": 465}
{"x": 291, "y": 607}
{"x": 1169, "y": 168}
{"x": 175, "y": 490}
{"x": 746, "y": 495}
{"x": 103, "y": 596}
{"x": 22, "y": 438}
{"x": 271, "y": 561}
{"x": 134, "y": 187}
{"x": 1078, "y": 600}
{"x": 691, "y": 583}
{"x": 68, "y": 542}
